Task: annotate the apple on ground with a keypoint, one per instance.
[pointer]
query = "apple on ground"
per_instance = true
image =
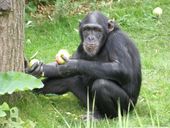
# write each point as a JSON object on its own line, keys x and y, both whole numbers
{"x": 157, "y": 11}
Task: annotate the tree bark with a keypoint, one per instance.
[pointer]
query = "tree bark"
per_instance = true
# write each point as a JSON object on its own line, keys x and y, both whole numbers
{"x": 11, "y": 35}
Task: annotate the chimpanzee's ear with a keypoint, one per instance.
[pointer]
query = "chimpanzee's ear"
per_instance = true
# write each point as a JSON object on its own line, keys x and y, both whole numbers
{"x": 110, "y": 25}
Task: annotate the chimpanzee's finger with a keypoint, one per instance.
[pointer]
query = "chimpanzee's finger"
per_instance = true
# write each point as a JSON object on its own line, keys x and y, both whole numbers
{"x": 29, "y": 70}
{"x": 66, "y": 59}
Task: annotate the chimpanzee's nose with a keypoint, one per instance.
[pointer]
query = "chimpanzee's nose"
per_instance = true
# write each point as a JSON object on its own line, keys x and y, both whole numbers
{"x": 91, "y": 38}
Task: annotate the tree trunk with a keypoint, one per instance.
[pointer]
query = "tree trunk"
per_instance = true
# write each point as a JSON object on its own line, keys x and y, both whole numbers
{"x": 11, "y": 35}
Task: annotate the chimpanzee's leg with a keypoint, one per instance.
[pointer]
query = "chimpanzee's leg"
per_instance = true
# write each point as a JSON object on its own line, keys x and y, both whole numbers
{"x": 76, "y": 85}
{"x": 52, "y": 86}
{"x": 107, "y": 96}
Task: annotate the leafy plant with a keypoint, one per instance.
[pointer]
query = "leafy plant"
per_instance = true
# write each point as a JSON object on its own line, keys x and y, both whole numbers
{"x": 11, "y": 82}
{"x": 17, "y": 81}
{"x": 9, "y": 118}
{"x": 4, "y": 107}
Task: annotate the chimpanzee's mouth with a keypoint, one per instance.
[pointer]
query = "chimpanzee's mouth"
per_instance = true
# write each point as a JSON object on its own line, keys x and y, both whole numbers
{"x": 92, "y": 46}
{"x": 90, "y": 49}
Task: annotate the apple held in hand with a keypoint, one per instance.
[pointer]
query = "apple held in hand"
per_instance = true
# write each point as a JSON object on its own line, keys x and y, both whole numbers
{"x": 32, "y": 62}
{"x": 62, "y": 56}
{"x": 60, "y": 60}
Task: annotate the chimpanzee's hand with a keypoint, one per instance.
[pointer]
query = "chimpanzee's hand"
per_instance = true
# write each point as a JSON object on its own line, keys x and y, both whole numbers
{"x": 36, "y": 69}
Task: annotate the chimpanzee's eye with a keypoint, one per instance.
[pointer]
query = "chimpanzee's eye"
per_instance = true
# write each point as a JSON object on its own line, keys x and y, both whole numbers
{"x": 86, "y": 32}
{"x": 97, "y": 29}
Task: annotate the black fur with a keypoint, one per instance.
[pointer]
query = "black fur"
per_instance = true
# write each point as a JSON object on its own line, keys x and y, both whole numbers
{"x": 112, "y": 75}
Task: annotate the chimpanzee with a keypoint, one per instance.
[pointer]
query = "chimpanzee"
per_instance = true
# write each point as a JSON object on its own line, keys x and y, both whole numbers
{"x": 106, "y": 65}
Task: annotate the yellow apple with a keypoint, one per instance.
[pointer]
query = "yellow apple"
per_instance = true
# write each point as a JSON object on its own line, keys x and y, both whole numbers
{"x": 61, "y": 56}
{"x": 157, "y": 11}
{"x": 60, "y": 60}
{"x": 32, "y": 62}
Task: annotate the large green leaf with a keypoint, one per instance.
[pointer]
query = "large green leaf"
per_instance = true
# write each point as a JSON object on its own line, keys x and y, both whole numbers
{"x": 17, "y": 81}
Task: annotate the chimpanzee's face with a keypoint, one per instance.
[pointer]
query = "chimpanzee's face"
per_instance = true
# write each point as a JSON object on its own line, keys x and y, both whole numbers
{"x": 92, "y": 38}
{"x": 94, "y": 29}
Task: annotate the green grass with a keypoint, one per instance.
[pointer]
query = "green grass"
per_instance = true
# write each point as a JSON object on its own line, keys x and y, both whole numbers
{"x": 152, "y": 38}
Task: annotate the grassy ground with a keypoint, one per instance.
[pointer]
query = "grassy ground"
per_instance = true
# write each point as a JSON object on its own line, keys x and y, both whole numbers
{"x": 152, "y": 37}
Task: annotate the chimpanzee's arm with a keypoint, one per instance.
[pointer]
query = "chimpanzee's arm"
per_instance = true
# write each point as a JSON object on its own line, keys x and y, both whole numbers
{"x": 111, "y": 70}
